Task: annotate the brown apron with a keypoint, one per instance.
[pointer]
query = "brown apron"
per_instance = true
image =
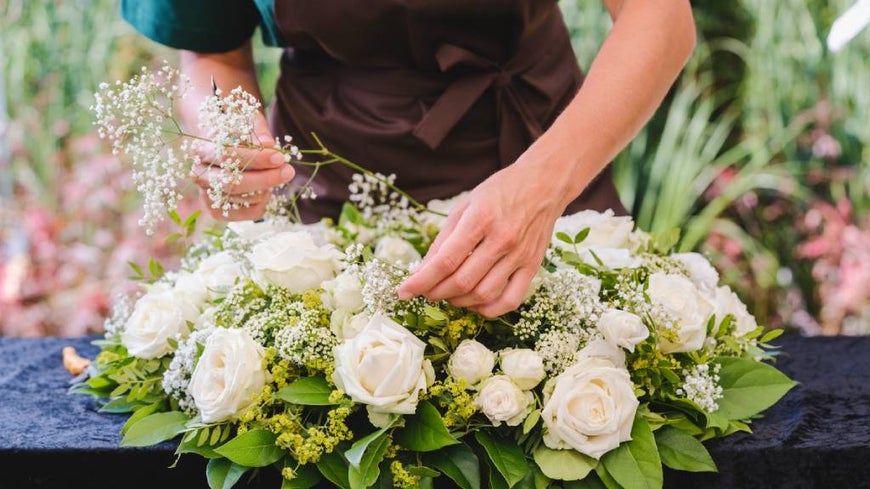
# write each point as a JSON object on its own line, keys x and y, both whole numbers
{"x": 442, "y": 93}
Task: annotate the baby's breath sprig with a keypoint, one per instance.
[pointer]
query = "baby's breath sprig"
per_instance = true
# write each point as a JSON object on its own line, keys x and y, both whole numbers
{"x": 138, "y": 118}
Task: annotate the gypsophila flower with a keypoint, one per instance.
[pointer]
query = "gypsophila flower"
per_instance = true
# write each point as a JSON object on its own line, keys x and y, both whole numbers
{"x": 123, "y": 308}
{"x": 176, "y": 378}
{"x": 566, "y": 300}
{"x": 558, "y": 349}
{"x": 701, "y": 386}
{"x": 379, "y": 289}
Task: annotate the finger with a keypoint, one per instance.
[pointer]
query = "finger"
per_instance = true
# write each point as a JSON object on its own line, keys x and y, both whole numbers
{"x": 251, "y": 181}
{"x": 489, "y": 288}
{"x": 249, "y": 158}
{"x": 450, "y": 256}
{"x": 513, "y": 295}
{"x": 475, "y": 268}
{"x": 253, "y": 212}
{"x": 446, "y": 229}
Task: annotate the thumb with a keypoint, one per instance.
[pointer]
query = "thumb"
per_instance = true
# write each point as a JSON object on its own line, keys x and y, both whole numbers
{"x": 261, "y": 130}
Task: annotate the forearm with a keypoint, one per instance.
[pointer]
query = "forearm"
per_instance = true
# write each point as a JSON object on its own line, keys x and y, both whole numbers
{"x": 638, "y": 62}
{"x": 230, "y": 70}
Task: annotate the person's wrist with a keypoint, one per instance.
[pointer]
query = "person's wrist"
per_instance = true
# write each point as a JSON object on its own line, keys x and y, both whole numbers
{"x": 559, "y": 168}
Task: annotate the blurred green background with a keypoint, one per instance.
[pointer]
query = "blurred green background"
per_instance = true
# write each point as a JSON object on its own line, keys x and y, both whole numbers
{"x": 761, "y": 153}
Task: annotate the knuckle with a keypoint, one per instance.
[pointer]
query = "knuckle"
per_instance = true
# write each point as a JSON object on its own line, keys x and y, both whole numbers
{"x": 464, "y": 283}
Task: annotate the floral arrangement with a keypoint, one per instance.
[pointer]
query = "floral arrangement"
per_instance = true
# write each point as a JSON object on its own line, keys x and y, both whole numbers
{"x": 282, "y": 344}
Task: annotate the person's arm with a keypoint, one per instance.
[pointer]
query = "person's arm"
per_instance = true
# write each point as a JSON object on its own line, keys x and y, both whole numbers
{"x": 492, "y": 244}
{"x": 266, "y": 168}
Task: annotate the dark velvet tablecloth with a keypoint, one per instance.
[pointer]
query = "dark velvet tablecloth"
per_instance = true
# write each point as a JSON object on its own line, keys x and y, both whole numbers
{"x": 818, "y": 436}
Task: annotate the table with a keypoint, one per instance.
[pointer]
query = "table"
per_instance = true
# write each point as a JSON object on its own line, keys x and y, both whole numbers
{"x": 818, "y": 436}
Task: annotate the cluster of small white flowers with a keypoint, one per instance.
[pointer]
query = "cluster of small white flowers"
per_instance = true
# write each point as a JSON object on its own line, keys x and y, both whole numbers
{"x": 558, "y": 349}
{"x": 567, "y": 300}
{"x": 630, "y": 295}
{"x": 305, "y": 340}
{"x": 657, "y": 263}
{"x": 379, "y": 288}
{"x": 379, "y": 205}
{"x": 122, "y": 308}
{"x": 701, "y": 386}
{"x": 176, "y": 378}
{"x": 137, "y": 118}
{"x": 228, "y": 124}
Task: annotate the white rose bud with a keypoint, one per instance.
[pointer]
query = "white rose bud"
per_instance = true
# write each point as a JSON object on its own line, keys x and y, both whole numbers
{"x": 441, "y": 207}
{"x": 621, "y": 328}
{"x": 701, "y": 272}
{"x": 471, "y": 361}
{"x": 680, "y": 298}
{"x": 219, "y": 273}
{"x": 294, "y": 261}
{"x": 344, "y": 292}
{"x": 383, "y": 367}
{"x": 727, "y": 303}
{"x": 605, "y": 229}
{"x": 228, "y": 375}
{"x": 396, "y": 251}
{"x": 346, "y": 325}
{"x": 591, "y": 408}
{"x": 525, "y": 367}
{"x": 602, "y": 349}
{"x": 157, "y": 316}
{"x": 502, "y": 401}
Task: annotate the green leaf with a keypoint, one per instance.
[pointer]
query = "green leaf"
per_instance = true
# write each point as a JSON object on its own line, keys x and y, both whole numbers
{"x": 120, "y": 405}
{"x": 154, "y": 428}
{"x": 587, "y": 483}
{"x": 174, "y": 217}
{"x": 771, "y": 335}
{"x": 335, "y": 468}
{"x": 425, "y": 430}
{"x": 636, "y": 464}
{"x": 422, "y": 471}
{"x": 682, "y": 451}
{"x": 188, "y": 445}
{"x": 508, "y": 458}
{"x": 749, "y": 387}
{"x": 563, "y": 465}
{"x": 139, "y": 414}
{"x": 434, "y": 313}
{"x": 223, "y": 474}
{"x": 531, "y": 420}
{"x": 136, "y": 269}
{"x": 307, "y": 476}
{"x": 255, "y": 448}
{"x": 368, "y": 471}
{"x": 564, "y": 238}
{"x": 307, "y": 391}
{"x": 457, "y": 462}
{"x": 606, "y": 479}
{"x": 581, "y": 236}
{"x": 355, "y": 454}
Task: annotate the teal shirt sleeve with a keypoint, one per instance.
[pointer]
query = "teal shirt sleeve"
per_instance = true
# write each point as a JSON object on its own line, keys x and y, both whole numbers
{"x": 209, "y": 26}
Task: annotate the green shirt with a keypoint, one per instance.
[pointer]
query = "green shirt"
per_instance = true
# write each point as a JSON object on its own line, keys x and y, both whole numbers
{"x": 208, "y": 26}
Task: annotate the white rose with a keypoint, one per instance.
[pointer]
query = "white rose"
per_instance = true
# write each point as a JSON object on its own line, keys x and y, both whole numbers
{"x": 293, "y": 260}
{"x": 471, "y": 361}
{"x": 219, "y": 273}
{"x": 621, "y": 328}
{"x": 502, "y": 401}
{"x": 602, "y": 349}
{"x": 442, "y": 207}
{"x": 525, "y": 367}
{"x": 396, "y": 251}
{"x": 591, "y": 408}
{"x": 680, "y": 298}
{"x": 258, "y": 230}
{"x": 383, "y": 367}
{"x": 605, "y": 229}
{"x": 344, "y": 292}
{"x": 190, "y": 288}
{"x": 157, "y": 316}
{"x": 611, "y": 258}
{"x": 346, "y": 325}
{"x": 228, "y": 375}
{"x": 727, "y": 302}
{"x": 701, "y": 272}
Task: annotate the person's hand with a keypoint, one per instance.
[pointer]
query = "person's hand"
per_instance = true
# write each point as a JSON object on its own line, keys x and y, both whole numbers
{"x": 491, "y": 245}
{"x": 264, "y": 170}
